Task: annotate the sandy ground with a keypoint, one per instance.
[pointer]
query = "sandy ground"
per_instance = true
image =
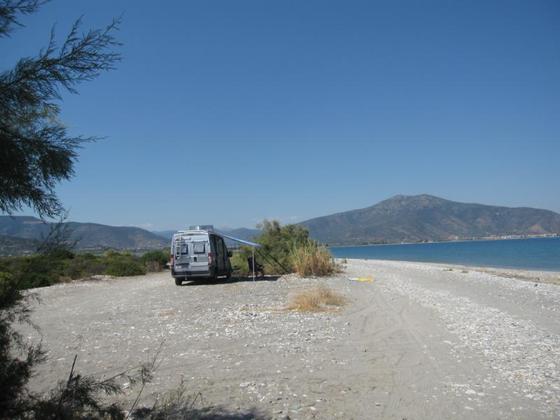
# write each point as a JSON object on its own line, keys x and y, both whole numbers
{"x": 422, "y": 341}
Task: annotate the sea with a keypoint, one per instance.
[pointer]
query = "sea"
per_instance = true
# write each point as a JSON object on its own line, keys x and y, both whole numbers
{"x": 530, "y": 254}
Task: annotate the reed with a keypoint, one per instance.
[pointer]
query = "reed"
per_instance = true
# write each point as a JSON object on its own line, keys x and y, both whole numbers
{"x": 312, "y": 259}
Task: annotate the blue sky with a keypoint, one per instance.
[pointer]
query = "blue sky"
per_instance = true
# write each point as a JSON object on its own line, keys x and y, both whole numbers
{"x": 229, "y": 112}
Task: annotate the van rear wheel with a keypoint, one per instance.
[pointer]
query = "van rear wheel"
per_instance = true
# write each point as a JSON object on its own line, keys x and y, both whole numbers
{"x": 178, "y": 282}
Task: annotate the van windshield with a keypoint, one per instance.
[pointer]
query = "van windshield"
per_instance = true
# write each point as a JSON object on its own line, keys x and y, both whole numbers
{"x": 199, "y": 247}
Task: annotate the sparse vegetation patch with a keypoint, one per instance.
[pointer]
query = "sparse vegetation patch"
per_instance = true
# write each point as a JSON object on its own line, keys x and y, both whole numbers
{"x": 42, "y": 270}
{"x": 317, "y": 299}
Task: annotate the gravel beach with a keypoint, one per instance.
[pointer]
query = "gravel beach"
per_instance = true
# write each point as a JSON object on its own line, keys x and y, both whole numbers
{"x": 420, "y": 341}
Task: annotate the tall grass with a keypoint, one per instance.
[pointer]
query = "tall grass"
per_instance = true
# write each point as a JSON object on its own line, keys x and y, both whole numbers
{"x": 312, "y": 259}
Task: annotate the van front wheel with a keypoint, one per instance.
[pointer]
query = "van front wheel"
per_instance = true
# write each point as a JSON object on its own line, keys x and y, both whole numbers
{"x": 178, "y": 282}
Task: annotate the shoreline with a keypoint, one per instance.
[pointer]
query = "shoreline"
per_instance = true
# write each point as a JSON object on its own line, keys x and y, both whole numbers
{"x": 529, "y": 275}
{"x": 453, "y": 241}
{"x": 532, "y": 254}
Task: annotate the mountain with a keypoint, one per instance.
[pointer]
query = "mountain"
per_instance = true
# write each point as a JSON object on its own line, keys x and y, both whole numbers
{"x": 427, "y": 218}
{"x": 399, "y": 219}
{"x": 166, "y": 234}
{"x": 88, "y": 235}
{"x": 11, "y": 245}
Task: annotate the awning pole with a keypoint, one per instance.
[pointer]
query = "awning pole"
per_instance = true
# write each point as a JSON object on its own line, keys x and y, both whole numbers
{"x": 253, "y": 248}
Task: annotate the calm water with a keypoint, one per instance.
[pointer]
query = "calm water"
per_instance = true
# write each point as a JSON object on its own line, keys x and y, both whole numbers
{"x": 536, "y": 254}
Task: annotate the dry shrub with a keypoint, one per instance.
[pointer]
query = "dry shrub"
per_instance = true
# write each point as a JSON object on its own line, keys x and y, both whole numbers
{"x": 311, "y": 259}
{"x": 315, "y": 300}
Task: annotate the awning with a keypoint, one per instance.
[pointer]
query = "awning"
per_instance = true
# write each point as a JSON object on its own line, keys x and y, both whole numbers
{"x": 241, "y": 241}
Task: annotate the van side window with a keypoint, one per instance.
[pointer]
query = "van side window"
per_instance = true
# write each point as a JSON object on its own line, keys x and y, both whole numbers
{"x": 220, "y": 247}
{"x": 199, "y": 248}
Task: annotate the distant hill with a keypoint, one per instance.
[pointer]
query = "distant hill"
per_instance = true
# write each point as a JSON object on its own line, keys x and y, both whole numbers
{"x": 428, "y": 218}
{"x": 88, "y": 235}
{"x": 11, "y": 245}
{"x": 399, "y": 219}
{"x": 166, "y": 234}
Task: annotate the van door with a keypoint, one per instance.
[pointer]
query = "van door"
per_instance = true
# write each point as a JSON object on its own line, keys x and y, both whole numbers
{"x": 219, "y": 255}
{"x": 199, "y": 254}
{"x": 181, "y": 257}
{"x": 224, "y": 257}
{"x": 227, "y": 262}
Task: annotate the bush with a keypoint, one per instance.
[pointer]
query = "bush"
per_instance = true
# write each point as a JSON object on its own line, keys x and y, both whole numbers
{"x": 42, "y": 270}
{"x": 155, "y": 260}
{"x": 84, "y": 266}
{"x": 277, "y": 245}
{"x": 287, "y": 249}
{"x": 312, "y": 259}
{"x": 122, "y": 265}
{"x": 33, "y": 271}
{"x": 239, "y": 261}
{"x": 17, "y": 357}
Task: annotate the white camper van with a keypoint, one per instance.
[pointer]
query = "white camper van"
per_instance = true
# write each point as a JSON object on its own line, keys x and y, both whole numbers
{"x": 199, "y": 253}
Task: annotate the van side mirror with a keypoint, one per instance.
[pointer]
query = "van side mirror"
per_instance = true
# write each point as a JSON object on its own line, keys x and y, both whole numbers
{"x": 229, "y": 254}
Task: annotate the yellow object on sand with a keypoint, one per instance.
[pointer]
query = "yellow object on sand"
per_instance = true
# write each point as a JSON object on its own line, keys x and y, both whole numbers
{"x": 368, "y": 279}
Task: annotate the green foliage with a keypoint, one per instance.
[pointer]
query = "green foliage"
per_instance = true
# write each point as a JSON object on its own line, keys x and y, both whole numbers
{"x": 17, "y": 358}
{"x": 121, "y": 265}
{"x": 42, "y": 270}
{"x": 286, "y": 249}
{"x": 9, "y": 294}
{"x": 83, "y": 266}
{"x": 36, "y": 150}
{"x": 277, "y": 244}
{"x": 155, "y": 260}
{"x": 239, "y": 261}
{"x": 34, "y": 271}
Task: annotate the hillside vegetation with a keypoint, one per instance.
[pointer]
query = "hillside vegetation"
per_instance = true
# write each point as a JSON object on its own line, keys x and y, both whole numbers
{"x": 12, "y": 245}
{"x": 428, "y": 218}
{"x": 90, "y": 236}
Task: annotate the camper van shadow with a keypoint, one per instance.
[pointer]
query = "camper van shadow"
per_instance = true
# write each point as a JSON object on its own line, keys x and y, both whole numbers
{"x": 233, "y": 279}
